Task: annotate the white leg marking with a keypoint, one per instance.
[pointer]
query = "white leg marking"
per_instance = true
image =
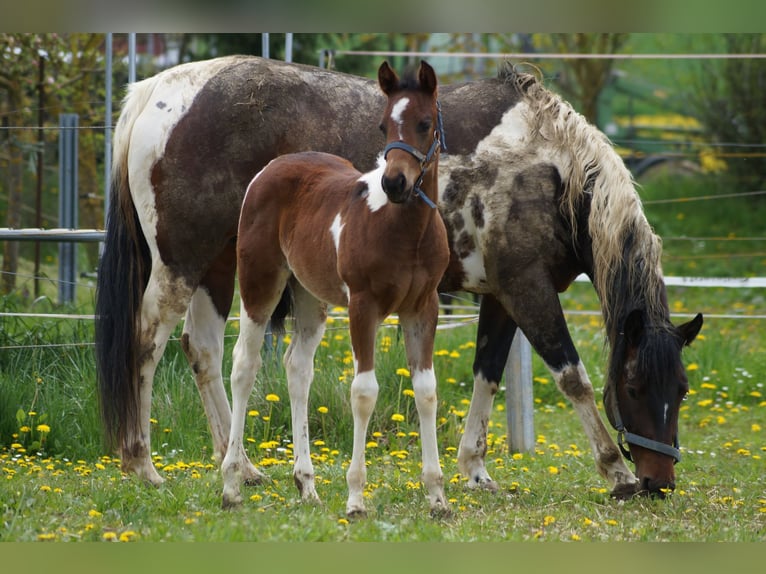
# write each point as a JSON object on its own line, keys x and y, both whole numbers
{"x": 247, "y": 363}
{"x": 473, "y": 444}
{"x": 424, "y": 385}
{"x": 299, "y": 363}
{"x": 203, "y": 344}
{"x": 364, "y": 395}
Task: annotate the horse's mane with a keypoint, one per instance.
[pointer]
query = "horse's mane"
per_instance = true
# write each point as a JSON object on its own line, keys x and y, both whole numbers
{"x": 626, "y": 252}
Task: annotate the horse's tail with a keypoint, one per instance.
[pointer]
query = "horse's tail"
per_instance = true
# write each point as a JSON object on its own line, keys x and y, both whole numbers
{"x": 281, "y": 312}
{"x": 123, "y": 274}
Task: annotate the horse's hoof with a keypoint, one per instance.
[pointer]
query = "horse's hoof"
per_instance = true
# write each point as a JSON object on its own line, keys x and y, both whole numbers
{"x": 625, "y": 491}
{"x": 229, "y": 503}
{"x": 254, "y": 480}
{"x": 441, "y": 513}
{"x": 484, "y": 484}
{"x": 356, "y": 514}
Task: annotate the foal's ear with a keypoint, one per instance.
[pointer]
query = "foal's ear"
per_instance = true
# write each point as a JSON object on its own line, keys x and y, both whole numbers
{"x": 387, "y": 78}
{"x": 689, "y": 331}
{"x": 427, "y": 77}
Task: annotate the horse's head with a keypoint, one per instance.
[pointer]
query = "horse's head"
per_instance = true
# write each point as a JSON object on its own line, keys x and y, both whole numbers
{"x": 642, "y": 397}
{"x": 414, "y": 134}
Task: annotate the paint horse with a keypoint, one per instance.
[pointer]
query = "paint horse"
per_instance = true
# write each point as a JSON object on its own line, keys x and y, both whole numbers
{"x": 374, "y": 243}
{"x": 531, "y": 195}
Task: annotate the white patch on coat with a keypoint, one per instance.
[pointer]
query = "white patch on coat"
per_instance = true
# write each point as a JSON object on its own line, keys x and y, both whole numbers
{"x": 513, "y": 132}
{"x": 155, "y": 106}
{"x": 376, "y": 197}
{"x": 335, "y": 230}
{"x": 396, "y": 114}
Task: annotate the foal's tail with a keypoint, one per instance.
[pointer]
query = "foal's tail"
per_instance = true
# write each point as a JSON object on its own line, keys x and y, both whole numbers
{"x": 123, "y": 274}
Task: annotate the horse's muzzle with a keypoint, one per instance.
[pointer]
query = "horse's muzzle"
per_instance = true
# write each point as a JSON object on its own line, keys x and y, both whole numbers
{"x": 396, "y": 188}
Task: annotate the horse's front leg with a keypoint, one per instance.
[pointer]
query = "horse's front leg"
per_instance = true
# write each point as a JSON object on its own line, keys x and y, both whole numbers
{"x": 310, "y": 317}
{"x": 494, "y": 336}
{"x": 247, "y": 362}
{"x": 419, "y": 331}
{"x": 363, "y": 324}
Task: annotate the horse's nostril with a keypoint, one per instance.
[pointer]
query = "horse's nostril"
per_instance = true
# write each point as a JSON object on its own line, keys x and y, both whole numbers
{"x": 394, "y": 184}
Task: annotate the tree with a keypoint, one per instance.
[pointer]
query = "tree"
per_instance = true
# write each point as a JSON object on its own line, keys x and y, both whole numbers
{"x": 582, "y": 80}
{"x": 728, "y": 98}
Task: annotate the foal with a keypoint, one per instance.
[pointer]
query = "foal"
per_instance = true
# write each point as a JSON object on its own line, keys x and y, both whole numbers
{"x": 373, "y": 242}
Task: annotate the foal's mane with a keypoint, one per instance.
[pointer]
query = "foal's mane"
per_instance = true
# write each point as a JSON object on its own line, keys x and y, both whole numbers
{"x": 626, "y": 252}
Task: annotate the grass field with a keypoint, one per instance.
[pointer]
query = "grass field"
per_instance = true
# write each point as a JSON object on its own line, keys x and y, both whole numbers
{"x": 57, "y": 483}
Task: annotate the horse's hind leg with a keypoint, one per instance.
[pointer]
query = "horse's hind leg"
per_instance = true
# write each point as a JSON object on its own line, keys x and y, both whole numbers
{"x": 419, "y": 331}
{"x": 310, "y": 315}
{"x": 494, "y": 335}
{"x": 202, "y": 341}
{"x": 247, "y": 362}
{"x": 163, "y": 303}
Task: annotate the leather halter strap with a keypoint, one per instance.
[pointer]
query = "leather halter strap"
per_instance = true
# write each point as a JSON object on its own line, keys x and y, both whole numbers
{"x": 425, "y": 161}
{"x": 625, "y": 439}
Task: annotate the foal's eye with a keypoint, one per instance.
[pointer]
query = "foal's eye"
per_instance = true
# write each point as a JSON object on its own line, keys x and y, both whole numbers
{"x": 424, "y": 126}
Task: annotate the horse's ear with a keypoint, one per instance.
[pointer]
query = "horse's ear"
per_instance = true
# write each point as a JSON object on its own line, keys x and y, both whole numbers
{"x": 689, "y": 331}
{"x": 387, "y": 78}
{"x": 634, "y": 327}
{"x": 427, "y": 77}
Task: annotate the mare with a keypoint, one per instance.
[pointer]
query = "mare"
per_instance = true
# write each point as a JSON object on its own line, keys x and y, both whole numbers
{"x": 374, "y": 243}
{"x": 531, "y": 194}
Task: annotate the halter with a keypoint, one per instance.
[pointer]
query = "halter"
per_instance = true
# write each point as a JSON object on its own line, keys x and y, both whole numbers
{"x": 424, "y": 160}
{"x": 625, "y": 438}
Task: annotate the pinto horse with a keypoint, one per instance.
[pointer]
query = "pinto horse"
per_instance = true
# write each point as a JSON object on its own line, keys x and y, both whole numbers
{"x": 532, "y": 195}
{"x": 374, "y": 243}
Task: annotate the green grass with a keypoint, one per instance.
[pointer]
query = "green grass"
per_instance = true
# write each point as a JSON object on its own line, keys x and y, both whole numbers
{"x": 57, "y": 482}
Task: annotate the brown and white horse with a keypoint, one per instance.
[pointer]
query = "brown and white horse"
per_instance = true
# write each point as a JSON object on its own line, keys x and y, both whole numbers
{"x": 531, "y": 194}
{"x": 374, "y": 243}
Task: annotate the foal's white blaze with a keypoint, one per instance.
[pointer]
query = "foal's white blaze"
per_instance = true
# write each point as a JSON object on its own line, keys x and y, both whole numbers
{"x": 397, "y": 111}
{"x": 376, "y": 197}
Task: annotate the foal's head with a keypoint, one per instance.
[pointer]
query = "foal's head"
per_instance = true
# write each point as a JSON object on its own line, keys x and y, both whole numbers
{"x": 412, "y": 126}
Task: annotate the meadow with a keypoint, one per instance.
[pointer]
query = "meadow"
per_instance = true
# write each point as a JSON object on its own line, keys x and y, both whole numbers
{"x": 58, "y": 483}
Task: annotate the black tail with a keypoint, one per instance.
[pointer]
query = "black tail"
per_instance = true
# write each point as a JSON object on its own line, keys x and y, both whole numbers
{"x": 122, "y": 277}
{"x": 282, "y": 310}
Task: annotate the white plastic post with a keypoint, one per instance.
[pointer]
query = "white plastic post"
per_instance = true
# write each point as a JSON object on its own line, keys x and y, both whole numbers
{"x": 519, "y": 396}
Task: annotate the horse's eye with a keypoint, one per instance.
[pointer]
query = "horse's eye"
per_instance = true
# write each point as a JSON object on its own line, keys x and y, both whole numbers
{"x": 632, "y": 393}
{"x": 424, "y": 127}
{"x": 382, "y": 128}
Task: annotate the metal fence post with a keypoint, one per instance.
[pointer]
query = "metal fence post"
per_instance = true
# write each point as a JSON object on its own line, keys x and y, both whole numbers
{"x": 67, "y": 204}
{"x": 519, "y": 396}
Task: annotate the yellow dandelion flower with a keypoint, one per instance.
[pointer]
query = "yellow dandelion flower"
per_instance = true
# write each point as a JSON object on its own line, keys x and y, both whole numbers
{"x": 548, "y": 520}
{"x": 402, "y": 372}
{"x": 93, "y": 513}
{"x": 25, "y": 428}
{"x": 692, "y": 367}
{"x": 755, "y": 427}
{"x": 46, "y": 537}
{"x": 397, "y": 418}
{"x": 109, "y": 536}
{"x": 272, "y": 398}
{"x": 253, "y": 413}
{"x": 553, "y": 469}
{"x": 575, "y": 537}
{"x": 323, "y": 410}
{"x": 408, "y": 393}
{"x": 371, "y": 444}
{"x": 127, "y": 536}
{"x": 43, "y": 429}
{"x": 343, "y": 521}
{"x": 45, "y": 488}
